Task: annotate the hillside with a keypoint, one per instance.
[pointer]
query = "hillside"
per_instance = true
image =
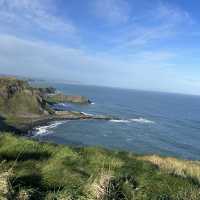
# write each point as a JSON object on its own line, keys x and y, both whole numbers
{"x": 32, "y": 170}
{"x": 22, "y": 107}
{"x": 19, "y": 101}
{"x": 18, "y": 98}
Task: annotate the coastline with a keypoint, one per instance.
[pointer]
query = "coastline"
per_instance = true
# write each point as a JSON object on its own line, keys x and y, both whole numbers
{"x": 24, "y": 107}
{"x": 62, "y": 116}
{"x": 38, "y": 168}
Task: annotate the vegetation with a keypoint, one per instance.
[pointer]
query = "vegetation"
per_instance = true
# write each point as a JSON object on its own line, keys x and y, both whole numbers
{"x": 22, "y": 106}
{"x": 47, "y": 171}
{"x": 59, "y": 98}
{"x": 18, "y": 98}
{"x": 184, "y": 168}
{"x": 30, "y": 170}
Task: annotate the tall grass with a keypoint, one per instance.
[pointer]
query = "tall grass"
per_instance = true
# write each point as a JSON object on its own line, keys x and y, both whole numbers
{"x": 5, "y": 185}
{"x": 183, "y": 168}
{"x": 42, "y": 171}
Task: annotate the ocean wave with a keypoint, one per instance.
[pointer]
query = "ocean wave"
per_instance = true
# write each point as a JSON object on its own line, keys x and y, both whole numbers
{"x": 119, "y": 121}
{"x": 136, "y": 120}
{"x": 142, "y": 120}
{"x": 88, "y": 114}
{"x": 44, "y": 130}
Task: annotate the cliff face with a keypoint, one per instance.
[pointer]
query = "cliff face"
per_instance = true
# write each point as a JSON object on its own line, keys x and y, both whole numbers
{"x": 10, "y": 86}
{"x": 18, "y": 98}
{"x": 22, "y": 106}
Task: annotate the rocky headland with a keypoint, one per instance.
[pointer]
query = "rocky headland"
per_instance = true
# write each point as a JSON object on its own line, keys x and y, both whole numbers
{"x": 22, "y": 106}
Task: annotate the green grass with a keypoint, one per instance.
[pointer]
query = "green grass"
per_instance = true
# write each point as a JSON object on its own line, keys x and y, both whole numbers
{"x": 60, "y": 98}
{"x": 47, "y": 171}
{"x": 18, "y": 98}
{"x": 20, "y": 104}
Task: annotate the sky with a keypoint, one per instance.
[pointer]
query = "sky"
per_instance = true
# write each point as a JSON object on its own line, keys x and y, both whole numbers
{"x": 136, "y": 44}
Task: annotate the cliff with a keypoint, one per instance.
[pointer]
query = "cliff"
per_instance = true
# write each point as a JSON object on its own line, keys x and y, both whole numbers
{"x": 17, "y": 98}
{"x": 23, "y": 107}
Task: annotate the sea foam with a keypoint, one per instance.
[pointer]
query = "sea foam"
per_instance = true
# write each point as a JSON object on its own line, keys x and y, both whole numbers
{"x": 44, "y": 130}
{"x": 88, "y": 114}
{"x": 119, "y": 121}
{"x": 136, "y": 120}
{"x": 142, "y": 121}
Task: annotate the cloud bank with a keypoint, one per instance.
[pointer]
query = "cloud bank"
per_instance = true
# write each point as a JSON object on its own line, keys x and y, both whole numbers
{"x": 119, "y": 43}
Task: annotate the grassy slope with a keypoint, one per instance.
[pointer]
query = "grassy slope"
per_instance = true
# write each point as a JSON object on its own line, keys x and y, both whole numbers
{"x": 47, "y": 171}
{"x": 20, "y": 100}
{"x": 60, "y": 98}
{"x": 19, "y": 103}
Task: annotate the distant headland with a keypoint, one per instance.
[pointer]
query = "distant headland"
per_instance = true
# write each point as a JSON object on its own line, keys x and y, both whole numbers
{"x": 22, "y": 106}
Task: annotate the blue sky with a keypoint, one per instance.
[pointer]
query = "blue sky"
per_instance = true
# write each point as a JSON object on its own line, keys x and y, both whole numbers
{"x": 146, "y": 44}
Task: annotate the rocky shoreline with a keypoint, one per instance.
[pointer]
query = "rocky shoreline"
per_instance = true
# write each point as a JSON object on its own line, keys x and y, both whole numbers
{"x": 62, "y": 116}
{"x": 23, "y": 107}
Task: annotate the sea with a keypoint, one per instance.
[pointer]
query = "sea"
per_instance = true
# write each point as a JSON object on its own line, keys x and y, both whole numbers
{"x": 150, "y": 122}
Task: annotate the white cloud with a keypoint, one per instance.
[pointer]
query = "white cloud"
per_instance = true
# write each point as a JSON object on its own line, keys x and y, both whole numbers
{"x": 155, "y": 56}
{"x": 161, "y": 21}
{"x": 38, "y": 59}
{"x": 33, "y": 14}
{"x": 131, "y": 55}
{"x": 143, "y": 35}
{"x": 172, "y": 14}
{"x": 111, "y": 11}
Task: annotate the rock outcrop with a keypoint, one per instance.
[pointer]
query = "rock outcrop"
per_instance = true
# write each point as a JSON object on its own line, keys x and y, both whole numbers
{"x": 17, "y": 98}
{"x": 61, "y": 98}
{"x": 23, "y": 107}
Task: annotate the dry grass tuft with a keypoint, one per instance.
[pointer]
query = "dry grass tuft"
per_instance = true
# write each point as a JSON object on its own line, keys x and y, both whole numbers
{"x": 23, "y": 195}
{"x": 98, "y": 187}
{"x": 4, "y": 187}
{"x": 183, "y": 168}
{"x": 189, "y": 194}
{"x": 58, "y": 196}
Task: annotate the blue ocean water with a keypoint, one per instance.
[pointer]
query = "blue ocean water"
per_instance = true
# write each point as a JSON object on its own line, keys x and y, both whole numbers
{"x": 152, "y": 122}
